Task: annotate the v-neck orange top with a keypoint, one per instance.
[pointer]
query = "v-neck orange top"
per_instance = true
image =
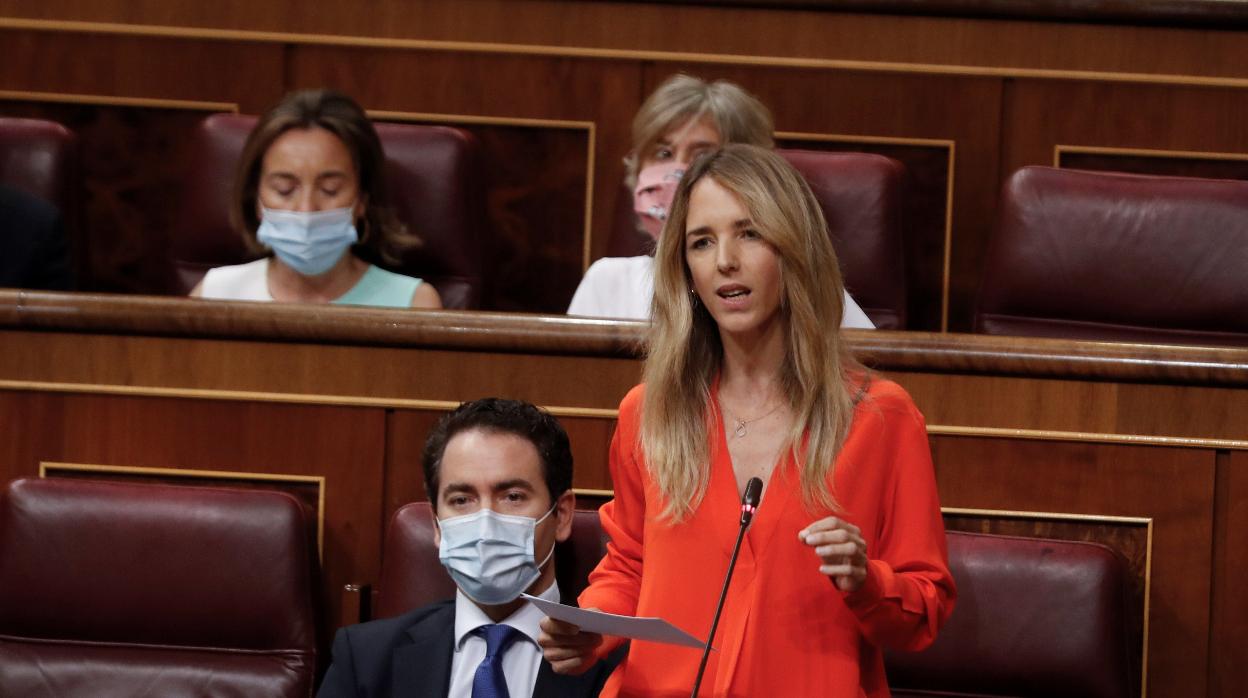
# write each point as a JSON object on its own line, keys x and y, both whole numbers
{"x": 786, "y": 630}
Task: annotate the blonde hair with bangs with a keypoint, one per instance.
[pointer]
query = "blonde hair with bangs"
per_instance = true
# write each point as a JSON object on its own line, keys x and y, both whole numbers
{"x": 684, "y": 352}
{"x": 738, "y": 116}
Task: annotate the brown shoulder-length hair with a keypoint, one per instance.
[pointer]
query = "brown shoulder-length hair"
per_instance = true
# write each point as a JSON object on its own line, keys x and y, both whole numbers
{"x": 383, "y": 238}
{"x": 684, "y": 353}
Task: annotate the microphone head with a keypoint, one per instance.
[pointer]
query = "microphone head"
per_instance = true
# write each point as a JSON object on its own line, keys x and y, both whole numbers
{"x": 753, "y": 492}
{"x": 749, "y": 502}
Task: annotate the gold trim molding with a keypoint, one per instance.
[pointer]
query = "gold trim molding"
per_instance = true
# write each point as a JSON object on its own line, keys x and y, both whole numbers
{"x": 1086, "y": 437}
{"x": 286, "y": 398}
{"x": 589, "y": 413}
{"x": 113, "y": 101}
{"x": 312, "y": 39}
{"x": 47, "y": 466}
{"x": 1060, "y": 149}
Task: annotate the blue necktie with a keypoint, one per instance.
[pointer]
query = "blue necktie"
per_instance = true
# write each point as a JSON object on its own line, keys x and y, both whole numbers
{"x": 489, "y": 681}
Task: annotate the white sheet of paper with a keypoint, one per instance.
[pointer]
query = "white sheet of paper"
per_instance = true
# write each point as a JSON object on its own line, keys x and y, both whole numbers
{"x": 652, "y": 629}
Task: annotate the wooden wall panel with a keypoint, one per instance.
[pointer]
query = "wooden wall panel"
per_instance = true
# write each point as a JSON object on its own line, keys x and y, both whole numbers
{"x": 246, "y": 74}
{"x": 1169, "y": 163}
{"x": 1087, "y": 407}
{"x": 1041, "y": 115}
{"x": 757, "y": 31}
{"x": 1228, "y": 638}
{"x": 1173, "y": 487}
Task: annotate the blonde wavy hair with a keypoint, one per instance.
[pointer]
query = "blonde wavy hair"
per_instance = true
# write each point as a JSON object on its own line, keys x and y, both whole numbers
{"x": 685, "y": 354}
{"x": 738, "y": 116}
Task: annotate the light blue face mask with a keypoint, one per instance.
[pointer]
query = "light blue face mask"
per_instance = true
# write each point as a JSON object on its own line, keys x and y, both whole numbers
{"x": 490, "y": 556}
{"x": 310, "y": 242}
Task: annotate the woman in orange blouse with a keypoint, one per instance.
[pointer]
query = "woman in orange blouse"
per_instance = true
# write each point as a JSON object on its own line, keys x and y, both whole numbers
{"x": 747, "y": 376}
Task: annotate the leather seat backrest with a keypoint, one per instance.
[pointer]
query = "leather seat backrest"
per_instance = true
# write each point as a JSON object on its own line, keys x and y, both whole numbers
{"x": 1034, "y": 618}
{"x": 136, "y": 589}
{"x": 40, "y": 158}
{"x": 1118, "y": 257}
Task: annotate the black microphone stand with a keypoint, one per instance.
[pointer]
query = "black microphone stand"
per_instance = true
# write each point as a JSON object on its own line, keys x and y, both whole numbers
{"x": 749, "y": 504}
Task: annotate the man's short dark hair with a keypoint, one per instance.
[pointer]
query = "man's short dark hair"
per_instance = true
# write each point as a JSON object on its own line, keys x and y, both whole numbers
{"x": 517, "y": 417}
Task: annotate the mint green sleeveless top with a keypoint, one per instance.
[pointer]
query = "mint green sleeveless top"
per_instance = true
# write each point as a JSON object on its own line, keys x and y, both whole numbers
{"x": 381, "y": 288}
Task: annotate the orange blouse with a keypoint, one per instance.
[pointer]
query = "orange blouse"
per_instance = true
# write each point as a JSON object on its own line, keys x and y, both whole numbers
{"x": 786, "y": 630}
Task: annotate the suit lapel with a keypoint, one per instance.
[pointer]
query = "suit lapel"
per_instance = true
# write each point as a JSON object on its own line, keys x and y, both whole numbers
{"x": 423, "y": 668}
{"x": 552, "y": 685}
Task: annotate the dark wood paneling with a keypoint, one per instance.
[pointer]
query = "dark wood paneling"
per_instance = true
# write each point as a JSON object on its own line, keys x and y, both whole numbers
{"x": 1228, "y": 673}
{"x": 1040, "y": 115}
{"x": 1174, "y": 487}
{"x": 1173, "y": 166}
{"x": 246, "y": 74}
{"x": 760, "y": 31}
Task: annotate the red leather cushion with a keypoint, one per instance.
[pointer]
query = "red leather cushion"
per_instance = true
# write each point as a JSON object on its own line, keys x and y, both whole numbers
{"x": 412, "y": 576}
{"x": 38, "y": 157}
{"x": 126, "y": 588}
{"x": 1120, "y": 257}
{"x": 1034, "y": 618}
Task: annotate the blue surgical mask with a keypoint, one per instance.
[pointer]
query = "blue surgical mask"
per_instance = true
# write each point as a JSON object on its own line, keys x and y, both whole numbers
{"x": 490, "y": 556}
{"x": 310, "y": 242}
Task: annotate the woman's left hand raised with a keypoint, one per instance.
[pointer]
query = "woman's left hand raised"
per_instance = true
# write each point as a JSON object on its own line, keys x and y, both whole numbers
{"x": 841, "y": 549}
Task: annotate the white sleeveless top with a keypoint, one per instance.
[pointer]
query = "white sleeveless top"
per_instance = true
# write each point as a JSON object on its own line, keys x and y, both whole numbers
{"x": 249, "y": 282}
{"x": 622, "y": 287}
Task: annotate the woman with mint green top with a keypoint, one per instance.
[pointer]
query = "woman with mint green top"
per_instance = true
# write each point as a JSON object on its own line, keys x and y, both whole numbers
{"x": 310, "y": 190}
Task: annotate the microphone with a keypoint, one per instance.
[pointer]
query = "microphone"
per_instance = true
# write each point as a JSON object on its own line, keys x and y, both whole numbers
{"x": 749, "y": 505}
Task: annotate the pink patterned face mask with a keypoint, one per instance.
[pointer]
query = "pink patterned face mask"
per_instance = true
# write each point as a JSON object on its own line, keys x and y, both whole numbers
{"x": 652, "y": 199}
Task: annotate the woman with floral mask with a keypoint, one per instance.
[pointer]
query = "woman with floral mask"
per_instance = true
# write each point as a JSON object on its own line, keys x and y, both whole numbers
{"x": 682, "y": 119}
{"x": 310, "y": 189}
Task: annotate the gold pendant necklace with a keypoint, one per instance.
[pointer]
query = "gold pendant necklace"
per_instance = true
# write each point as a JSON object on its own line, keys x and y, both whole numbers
{"x": 738, "y": 424}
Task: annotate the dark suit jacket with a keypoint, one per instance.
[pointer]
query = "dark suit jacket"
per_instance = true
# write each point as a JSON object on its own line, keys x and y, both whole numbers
{"x": 33, "y": 249}
{"x": 410, "y": 656}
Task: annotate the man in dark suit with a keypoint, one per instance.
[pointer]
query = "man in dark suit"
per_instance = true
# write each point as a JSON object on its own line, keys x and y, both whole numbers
{"x": 499, "y": 474}
{"x": 33, "y": 250}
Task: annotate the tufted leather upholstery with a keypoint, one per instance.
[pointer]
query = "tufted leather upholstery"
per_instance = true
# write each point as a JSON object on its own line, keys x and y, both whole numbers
{"x": 1120, "y": 257}
{"x": 860, "y": 194}
{"x": 113, "y": 589}
{"x": 39, "y": 158}
{"x": 1034, "y": 618}
{"x": 435, "y": 183}
{"x": 411, "y": 575}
